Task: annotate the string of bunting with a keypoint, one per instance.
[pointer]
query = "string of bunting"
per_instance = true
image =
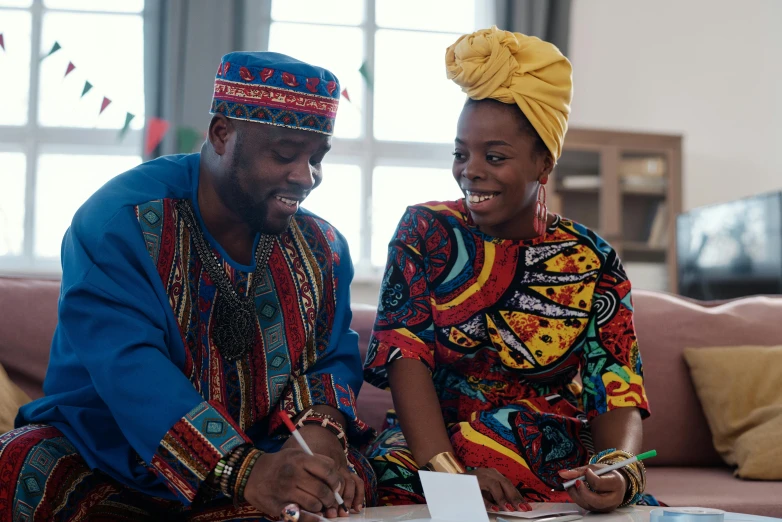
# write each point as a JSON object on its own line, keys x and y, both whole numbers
{"x": 156, "y": 129}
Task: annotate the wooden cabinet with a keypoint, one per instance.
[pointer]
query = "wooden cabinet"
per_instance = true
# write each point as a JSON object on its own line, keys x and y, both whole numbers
{"x": 627, "y": 187}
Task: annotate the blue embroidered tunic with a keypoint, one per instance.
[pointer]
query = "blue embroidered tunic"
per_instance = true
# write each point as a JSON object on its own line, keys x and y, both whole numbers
{"x": 134, "y": 381}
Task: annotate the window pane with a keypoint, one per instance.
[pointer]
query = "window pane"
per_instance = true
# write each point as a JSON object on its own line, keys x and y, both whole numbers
{"x": 16, "y": 3}
{"x": 14, "y": 64}
{"x": 430, "y": 114}
{"x": 120, "y": 6}
{"x": 12, "y": 181}
{"x": 338, "y": 201}
{"x": 429, "y": 15}
{"x": 115, "y": 68}
{"x": 396, "y": 188}
{"x": 338, "y": 49}
{"x": 64, "y": 183}
{"x": 345, "y": 12}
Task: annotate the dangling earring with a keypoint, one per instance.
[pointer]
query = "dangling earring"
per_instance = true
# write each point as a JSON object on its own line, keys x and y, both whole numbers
{"x": 541, "y": 211}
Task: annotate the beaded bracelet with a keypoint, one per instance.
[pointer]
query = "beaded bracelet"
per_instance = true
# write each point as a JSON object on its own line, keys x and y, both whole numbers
{"x": 325, "y": 421}
{"x": 232, "y": 481}
{"x": 227, "y": 475}
{"x": 634, "y": 473}
{"x": 244, "y": 474}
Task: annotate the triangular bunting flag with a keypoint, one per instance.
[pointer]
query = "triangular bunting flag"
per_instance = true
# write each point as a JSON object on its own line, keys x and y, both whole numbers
{"x": 70, "y": 68}
{"x": 87, "y": 87}
{"x": 156, "y": 130}
{"x": 364, "y": 70}
{"x": 56, "y": 47}
{"x": 186, "y": 138}
{"x": 104, "y": 104}
{"x": 345, "y": 95}
{"x": 2, "y": 42}
{"x": 128, "y": 118}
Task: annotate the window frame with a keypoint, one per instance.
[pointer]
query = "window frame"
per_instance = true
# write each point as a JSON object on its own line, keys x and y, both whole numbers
{"x": 33, "y": 139}
{"x": 366, "y": 151}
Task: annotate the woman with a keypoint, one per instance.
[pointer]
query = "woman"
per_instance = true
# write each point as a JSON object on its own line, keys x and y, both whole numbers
{"x": 491, "y": 307}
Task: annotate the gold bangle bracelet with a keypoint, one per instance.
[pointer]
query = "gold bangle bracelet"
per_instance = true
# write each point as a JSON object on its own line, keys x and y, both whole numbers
{"x": 445, "y": 463}
{"x": 635, "y": 474}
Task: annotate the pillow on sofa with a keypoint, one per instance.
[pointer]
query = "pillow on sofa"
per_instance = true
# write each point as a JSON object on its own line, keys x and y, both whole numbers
{"x": 11, "y": 398}
{"x": 739, "y": 389}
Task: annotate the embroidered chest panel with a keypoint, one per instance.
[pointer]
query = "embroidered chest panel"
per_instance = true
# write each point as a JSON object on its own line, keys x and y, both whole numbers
{"x": 294, "y": 302}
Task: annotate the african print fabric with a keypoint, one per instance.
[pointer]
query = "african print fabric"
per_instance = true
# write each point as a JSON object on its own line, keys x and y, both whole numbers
{"x": 505, "y": 327}
{"x": 56, "y": 485}
{"x": 135, "y": 386}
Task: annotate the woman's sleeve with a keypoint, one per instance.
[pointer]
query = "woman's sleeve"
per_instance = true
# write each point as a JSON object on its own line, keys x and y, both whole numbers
{"x": 612, "y": 371}
{"x": 403, "y": 325}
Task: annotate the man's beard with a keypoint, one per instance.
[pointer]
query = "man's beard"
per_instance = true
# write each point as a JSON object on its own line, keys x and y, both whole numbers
{"x": 239, "y": 200}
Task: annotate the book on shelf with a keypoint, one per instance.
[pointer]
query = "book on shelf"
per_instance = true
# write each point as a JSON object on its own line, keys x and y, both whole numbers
{"x": 644, "y": 183}
{"x": 648, "y": 166}
{"x": 580, "y": 182}
{"x": 647, "y": 276}
{"x": 658, "y": 232}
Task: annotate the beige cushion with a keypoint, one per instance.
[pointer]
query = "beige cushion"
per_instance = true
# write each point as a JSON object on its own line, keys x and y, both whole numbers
{"x": 741, "y": 395}
{"x": 11, "y": 398}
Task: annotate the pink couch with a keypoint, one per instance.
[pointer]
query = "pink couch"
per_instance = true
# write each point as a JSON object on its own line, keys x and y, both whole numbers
{"x": 688, "y": 472}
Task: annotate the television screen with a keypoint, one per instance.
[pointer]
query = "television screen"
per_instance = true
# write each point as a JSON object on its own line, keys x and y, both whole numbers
{"x": 731, "y": 249}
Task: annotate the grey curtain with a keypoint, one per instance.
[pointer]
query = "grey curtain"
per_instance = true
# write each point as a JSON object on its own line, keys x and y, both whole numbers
{"x": 185, "y": 40}
{"x": 547, "y": 19}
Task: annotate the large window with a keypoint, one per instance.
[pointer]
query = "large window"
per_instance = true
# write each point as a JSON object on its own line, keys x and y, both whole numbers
{"x": 393, "y": 140}
{"x": 56, "y": 148}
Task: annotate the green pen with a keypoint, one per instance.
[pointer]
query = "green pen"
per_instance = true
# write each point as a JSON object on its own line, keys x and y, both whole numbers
{"x": 608, "y": 469}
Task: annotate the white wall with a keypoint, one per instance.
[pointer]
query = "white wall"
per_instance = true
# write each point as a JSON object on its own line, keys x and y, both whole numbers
{"x": 708, "y": 69}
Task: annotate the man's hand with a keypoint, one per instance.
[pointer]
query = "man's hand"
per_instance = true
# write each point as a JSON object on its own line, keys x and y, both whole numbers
{"x": 499, "y": 494}
{"x": 292, "y": 476}
{"x": 322, "y": 442}
{"x": 607, "y": 491}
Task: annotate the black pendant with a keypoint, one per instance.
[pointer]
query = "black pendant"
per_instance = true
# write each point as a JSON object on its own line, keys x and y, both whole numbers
{"x": 234, "y": 328}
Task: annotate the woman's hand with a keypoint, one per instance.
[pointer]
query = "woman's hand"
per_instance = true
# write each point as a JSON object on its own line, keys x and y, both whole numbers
{"x": 607, "y": 491}
{"x": 499, "y": 494}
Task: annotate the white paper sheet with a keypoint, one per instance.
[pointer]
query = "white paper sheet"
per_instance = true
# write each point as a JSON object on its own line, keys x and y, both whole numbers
{"x": 453, "y": 498}
{"x": 540, "y": 510}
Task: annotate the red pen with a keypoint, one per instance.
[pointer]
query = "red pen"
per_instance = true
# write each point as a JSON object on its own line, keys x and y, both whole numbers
{"x": 308, "y": 451}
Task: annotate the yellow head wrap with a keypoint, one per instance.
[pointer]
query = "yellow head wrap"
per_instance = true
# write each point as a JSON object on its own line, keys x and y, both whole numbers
{"x": 515, "y": 68}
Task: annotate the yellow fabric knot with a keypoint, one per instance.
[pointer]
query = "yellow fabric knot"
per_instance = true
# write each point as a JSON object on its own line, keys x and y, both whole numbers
{"x": 515, "y": 68}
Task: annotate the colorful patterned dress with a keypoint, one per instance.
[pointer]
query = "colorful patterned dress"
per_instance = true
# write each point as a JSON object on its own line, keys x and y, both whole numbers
{"x": 140, "y": 405}
{"x": 505, "y": 327}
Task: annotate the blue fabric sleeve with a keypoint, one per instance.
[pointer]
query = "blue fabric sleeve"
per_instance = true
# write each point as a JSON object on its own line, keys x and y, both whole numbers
{"x": 116, "y": 320}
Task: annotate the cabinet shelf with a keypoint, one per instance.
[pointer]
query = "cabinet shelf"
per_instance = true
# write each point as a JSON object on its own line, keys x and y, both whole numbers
{"x": 623, "y": 200}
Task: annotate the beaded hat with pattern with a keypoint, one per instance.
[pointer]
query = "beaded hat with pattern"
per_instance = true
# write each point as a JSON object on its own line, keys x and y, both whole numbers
{"x": 276, "y": 89}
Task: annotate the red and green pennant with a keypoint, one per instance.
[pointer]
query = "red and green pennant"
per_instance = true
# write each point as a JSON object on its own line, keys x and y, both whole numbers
{"x": 156, "y": 131}
{"x": 105, "y": 103}
{"x": 128, "y": 118}
{"x": 69, "y": 69}
{"x": 56, "y": 47}
{"x": 367, "y": 75}
{"x": 2, "y": 42}
{"x": 87, "y": 87}
{"x": 187, "y": 138}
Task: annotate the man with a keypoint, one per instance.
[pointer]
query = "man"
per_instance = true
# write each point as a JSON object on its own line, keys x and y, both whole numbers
{"x": 197, "y": 303}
